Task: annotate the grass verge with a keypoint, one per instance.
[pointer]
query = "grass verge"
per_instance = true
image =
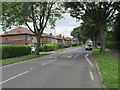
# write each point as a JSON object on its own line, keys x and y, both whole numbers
{"x": 108, "y": 67}
{"x": 18, "y": 59}
{"x": 66, "y": 48}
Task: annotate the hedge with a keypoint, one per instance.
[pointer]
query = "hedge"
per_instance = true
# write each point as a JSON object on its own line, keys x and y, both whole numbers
{"x": 52, "y": 47}
{"x": 112, "y": 45}
{"x": 10, "y": 51}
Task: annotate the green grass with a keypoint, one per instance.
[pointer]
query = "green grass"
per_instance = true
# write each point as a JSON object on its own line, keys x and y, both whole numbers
{"x": 108, "y": 67}
{"x": 66, "y": 48}
{"x": 18, "y": 59}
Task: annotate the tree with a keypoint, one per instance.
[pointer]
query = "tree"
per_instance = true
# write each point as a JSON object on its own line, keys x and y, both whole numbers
{"x": 90, "y": 29}
{"x": 100, "y": 12}
{"x": 40, "y": 14}
{"x": 76, "y": 34}
{"x": 79, "y": 34}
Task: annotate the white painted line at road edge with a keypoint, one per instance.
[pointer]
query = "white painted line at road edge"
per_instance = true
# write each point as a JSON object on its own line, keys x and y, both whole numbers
{"x": 13, "y": 77}
{"x": 18, "y": 63}
{"x": 91, "y": 75}
{"x": 88, "y": 60}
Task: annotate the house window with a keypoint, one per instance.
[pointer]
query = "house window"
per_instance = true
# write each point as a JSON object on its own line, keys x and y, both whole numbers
{"x": 28, "y": 37}
{"x": 6, "y": 38}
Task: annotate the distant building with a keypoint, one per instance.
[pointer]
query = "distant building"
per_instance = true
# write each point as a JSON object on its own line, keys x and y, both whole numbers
{"x": 23, "y": 36}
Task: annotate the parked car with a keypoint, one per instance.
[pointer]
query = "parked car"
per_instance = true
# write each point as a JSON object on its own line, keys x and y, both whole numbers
{"x": 32, "y": 49}
{"x": 88, "y": 47}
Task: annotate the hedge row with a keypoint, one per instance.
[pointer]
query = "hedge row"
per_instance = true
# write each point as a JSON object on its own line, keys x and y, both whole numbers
{"x": 52, "y": 47}
{"x": 113, "y": 45}
{"x": 9, "y": 51}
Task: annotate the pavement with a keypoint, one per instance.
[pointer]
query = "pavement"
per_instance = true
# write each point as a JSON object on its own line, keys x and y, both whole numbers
{"x": 65, "y": 69}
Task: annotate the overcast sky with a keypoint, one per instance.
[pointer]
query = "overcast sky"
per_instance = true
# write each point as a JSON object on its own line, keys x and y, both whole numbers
{"x": 63, "y": 26}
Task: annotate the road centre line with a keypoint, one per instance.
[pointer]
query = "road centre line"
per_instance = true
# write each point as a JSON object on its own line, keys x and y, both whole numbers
{"x": 13, "y": 77}
{"x": 91, "y": 75}
{"x": 88, "y": 60}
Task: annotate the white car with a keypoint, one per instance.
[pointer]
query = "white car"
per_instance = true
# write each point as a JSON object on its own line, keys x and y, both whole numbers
{"x": 88, "y": 47}
{"x": 33, "y": 49}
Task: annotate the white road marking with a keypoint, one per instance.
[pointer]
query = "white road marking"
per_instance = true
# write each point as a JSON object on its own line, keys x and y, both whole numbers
{"x": 17, "y": 63}
{"x": 50, "y": 57}
{"x": 87, "y": 55}
{"x": 91, "y": 75}
{"x": 31, "y": 68}
{"x": 88, "y": 60}
{"x": 50, "y": 61}
{"x": 76, "y": 56}
{"x": 13, "y": 77}
{"x": 43, "y": 63}
{"x": 70, "y": 56}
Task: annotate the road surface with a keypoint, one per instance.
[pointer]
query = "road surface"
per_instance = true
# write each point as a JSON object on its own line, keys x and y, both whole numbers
{"x": 66, "y": 69}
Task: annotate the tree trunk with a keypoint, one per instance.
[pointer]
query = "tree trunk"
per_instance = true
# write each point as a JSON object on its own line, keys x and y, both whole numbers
{"x": 102, "y": 38}
{"x": 37, "y": 44}
{"x": 93, "y": 41}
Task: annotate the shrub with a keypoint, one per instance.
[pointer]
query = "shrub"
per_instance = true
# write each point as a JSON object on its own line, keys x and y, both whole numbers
{"x": 74, "y": 44}
{"x": 66, "y": 45}
{"x": 9, "y": 51}
{"x": 41, "y": 48}
{"x": 60, "y": 45}
{"x": 112, "y": 45}
{"x": 48, "y": 47}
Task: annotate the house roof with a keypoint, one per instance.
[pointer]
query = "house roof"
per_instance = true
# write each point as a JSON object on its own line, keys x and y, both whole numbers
{"x": 19, "y": 30}
{"x": 23, "y": 30}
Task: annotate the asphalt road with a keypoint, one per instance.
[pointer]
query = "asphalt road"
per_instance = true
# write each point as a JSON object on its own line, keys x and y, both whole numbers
{"x": 66, "y": 69}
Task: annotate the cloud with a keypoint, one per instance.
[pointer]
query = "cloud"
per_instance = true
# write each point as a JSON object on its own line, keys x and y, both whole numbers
{"x": 64, "y": 26}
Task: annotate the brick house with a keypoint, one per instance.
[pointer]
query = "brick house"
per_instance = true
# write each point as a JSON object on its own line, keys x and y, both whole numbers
{"x": 23, "y": 36}
{"x": 18, "y": 36}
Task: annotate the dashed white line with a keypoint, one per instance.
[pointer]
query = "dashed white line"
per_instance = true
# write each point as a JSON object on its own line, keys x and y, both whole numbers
{"x": 43, "y": 63}
{"x": 13, "y": 77}
{"x": 50, "y": 61}
{"x": 76, "y": 56}
{"x": 88, "y": 60}
{"x": 31, "y": 68}
{"x": 91, "y": 75}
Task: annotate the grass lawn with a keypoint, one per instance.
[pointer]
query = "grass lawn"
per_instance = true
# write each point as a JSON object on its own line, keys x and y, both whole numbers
{"x": 18, "y": 59}
{"x": 108, "y": 67}
{"x": 66, "y": 48}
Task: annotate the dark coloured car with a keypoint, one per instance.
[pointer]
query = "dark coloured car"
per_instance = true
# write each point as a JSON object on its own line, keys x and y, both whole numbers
{"x": 88, "y": 47}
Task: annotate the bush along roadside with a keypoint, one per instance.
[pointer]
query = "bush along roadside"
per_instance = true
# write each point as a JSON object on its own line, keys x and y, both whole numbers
{"x": 113, "y": 45}
{"x": 10, "y": 51}
{"x": 56, "y": 46}
{"x": 108, "y": 67}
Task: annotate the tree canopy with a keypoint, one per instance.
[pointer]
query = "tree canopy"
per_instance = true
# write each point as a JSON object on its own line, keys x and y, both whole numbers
{"x": 40, "y": 14}
{"x": 100, "y": 13}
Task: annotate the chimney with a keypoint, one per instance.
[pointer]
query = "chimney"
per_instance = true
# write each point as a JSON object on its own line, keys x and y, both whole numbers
{"x": 60, "y": 35}
{"x": 50, "y": 34}
{"x": 6, "y": 33}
